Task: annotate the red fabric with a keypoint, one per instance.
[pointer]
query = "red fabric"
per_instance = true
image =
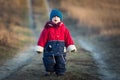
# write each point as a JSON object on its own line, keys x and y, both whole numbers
{"x": 53, "y": 32}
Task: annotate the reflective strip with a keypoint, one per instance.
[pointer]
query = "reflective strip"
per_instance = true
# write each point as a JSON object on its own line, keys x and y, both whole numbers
{"x": 54, "y": 58}
{"x": 63, "y": 58}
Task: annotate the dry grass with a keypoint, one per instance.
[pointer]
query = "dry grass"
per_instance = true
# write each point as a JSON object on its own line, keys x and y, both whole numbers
{"x": 13, "y": 40}
{"x": 6, "y": 37}
{"x": 13, "y": 31}
{"x": 39, "y": 6}
{"x": 103, "y": 14}
{"x": 23, "y": 35}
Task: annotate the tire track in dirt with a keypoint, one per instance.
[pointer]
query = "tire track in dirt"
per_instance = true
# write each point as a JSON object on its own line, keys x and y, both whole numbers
{"x": 16, "y": 63}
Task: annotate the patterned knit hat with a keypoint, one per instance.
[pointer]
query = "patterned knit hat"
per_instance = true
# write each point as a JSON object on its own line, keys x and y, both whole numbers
{"x": 54, "y": 13}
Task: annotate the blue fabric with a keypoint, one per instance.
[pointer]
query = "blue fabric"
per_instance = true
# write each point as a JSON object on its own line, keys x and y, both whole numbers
{"x": 49, "y": 63}
{"x": 54, "y": 47}
{"x": 54, "y": 57}
{"x": 60, "y": 64}
{"x": 54, "y": 13}
{"x": 55, "y": 63}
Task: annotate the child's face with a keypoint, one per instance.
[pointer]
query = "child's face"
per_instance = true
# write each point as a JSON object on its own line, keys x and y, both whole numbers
{"x": 56, "y": 19}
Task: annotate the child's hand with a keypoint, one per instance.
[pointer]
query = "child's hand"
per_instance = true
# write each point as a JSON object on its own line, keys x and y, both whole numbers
{"x": 39, "y": 52}
{"x": 73, "y": 50}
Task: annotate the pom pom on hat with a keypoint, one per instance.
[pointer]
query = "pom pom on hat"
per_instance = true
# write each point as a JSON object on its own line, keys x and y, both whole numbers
{"x": 54, "y": 13}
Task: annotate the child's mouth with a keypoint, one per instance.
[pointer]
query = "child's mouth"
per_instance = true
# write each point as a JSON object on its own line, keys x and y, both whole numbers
{"x": 55, "y": 20}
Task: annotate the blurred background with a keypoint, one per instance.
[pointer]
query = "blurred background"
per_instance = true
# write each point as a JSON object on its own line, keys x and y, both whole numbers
{"x": 93, "y": 23}
{"x": 14, "y": 30}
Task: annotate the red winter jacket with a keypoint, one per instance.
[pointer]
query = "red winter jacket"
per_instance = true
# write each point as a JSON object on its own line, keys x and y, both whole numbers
{"x": 55, "y": 32}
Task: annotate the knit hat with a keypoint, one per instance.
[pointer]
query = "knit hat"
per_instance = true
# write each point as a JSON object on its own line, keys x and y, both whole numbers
{"x": 54, "y": 13}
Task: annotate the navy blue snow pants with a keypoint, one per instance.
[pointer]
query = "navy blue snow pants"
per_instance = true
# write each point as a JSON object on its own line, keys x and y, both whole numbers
{"x": 54, "y": 57}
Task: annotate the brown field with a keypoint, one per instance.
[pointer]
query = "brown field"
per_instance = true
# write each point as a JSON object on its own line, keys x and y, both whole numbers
{"x": 102, "y": 15}
{"x": 14, "y": 41}
{"x": 14, "y": 31}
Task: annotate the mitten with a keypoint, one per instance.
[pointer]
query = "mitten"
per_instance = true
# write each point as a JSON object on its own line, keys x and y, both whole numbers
{"x": 39, "y": 49}
{"x": 38, "y": 52}
{"x": 71, "y": 48}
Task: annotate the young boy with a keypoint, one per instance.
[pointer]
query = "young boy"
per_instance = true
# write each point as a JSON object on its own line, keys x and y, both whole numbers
{"x": 53, "y": 39}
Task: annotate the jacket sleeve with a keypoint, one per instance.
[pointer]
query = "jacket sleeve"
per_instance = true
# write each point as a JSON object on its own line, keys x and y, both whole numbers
{"x": 69, "y": 43}
{"x": 42, "y": 40}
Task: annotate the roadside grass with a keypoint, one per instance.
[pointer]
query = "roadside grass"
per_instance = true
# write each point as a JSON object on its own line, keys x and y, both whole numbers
{"x": 14, "y": 34}
{"x": 14, "y": 41}
{"x": 24, "y": 35}
{"x": 101, "y": 15}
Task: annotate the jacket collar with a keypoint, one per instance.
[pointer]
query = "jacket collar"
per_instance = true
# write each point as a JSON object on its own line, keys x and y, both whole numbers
{"x": 51, "y": 24}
